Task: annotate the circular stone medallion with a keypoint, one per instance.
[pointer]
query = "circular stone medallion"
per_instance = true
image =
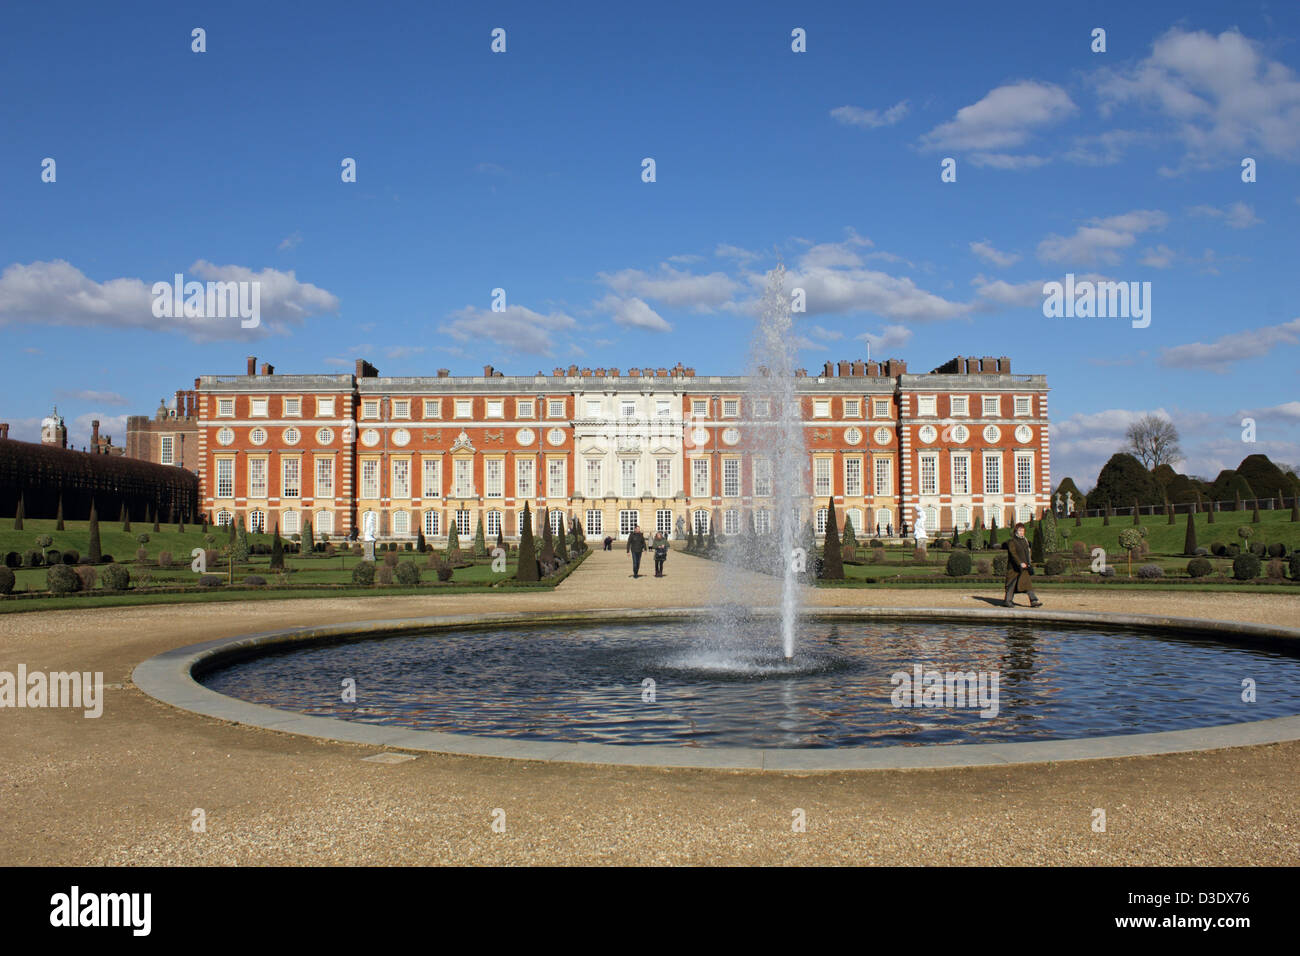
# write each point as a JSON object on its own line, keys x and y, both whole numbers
{"x": 853, "y": 436}
{"x": 401, "y": 438}
{"x": 370, "y": 438}
{"x": 555, "y": 436}
{"x": 731, "y": 435}
{"x": 1024, "y": 434}
{"x": 992, "y": 433}
{"x": 525, "y": 436}
{"x": 882, "y": 435}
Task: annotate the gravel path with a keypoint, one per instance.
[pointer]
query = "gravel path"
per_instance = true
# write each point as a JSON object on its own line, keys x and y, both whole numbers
{"x": 122, "y": 789}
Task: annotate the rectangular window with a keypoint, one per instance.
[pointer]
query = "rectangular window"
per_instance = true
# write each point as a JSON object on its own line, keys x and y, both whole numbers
{"x": 324, "y": 478}
{"x": 226, "y": 407}
{"x": 292, "y": 407}
{"x": 494, "y": 477}
{"x": 880, "y": 408}
{"x": 762, "y": 408}
{"x": 370, "y": 408}
{"x": 464, "y": 408}
{"x": 595, "y": 523}
{"x": 555, "y": 478}
{"x": 555, "y": 408}
{"x": 731, "y": 478}
{"x": 324, "y": 408}
{"x": 433, "y": 408}
{"x": 822, "y": 515}
{"x": 926, "y": 405}
{"x": 432, "y": 486}
{"x": 496, "y": 408}
{"x": 627, "y": 409}
{"x": 401, "y": 478}
{"x": 166, "y": 452}
{"x": 762, "y": 521}
{"x": 257, "y": 477}
{"x": 822, "y": 408}
{"x": 884, "y": 471}
{"x": 1023, "y": 405}
{"x": 663, "y": 477}
{"x": 290, "y": 470}
{"x": 959, "y": 405}
{"x": 992, "y": 474}
{"x": 595, "y": 488}
{"x": 627, "y": 477}
{"x": 370, "y": 478}
{"x": 627, "y": 520}
{"x": 401, "y": 408}
{"x": 961, "y": 474}
{"x": 853, "y": 477}
{"x": 663, "y": 408}
{"x": 1024, "y": 474}
{"x": 225, "y": 477}
{"x": 493, "y": 527}
{"x": 700, "y": 477}
{"x": 730, "y": 407}
{"x": 852, "y": 408}
{"x": 822, "y": 477}
{"x": 462, "y": 524}
{"x": 524, "y": 487}
{"x": 929, "y": 474}
{"x": 524, "y": 408}
{"x": 664, "y": 521}
{"x": 700, "y": 408}
{"x": 762, "y": 477}
{"x": 992, "y": 405}
{"x": 593, "y": 408}
{"x": 462, "y": 476}
{"x": 258, "y": 408}
{"x": 731, "y": 521}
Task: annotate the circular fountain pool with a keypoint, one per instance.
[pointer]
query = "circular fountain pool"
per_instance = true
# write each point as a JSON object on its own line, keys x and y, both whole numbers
{"x": 853, "y": 683}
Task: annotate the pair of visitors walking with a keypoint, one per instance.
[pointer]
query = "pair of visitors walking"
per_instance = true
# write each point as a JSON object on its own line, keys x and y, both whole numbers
{"x": 636, "y": 546}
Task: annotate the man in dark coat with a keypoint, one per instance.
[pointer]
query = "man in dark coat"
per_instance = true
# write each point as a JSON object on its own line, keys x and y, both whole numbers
{"x": 1019, "y": 567}
{"x": 635, "y": 547}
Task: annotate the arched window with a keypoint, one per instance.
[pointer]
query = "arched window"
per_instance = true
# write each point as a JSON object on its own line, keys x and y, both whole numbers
{"x": 557, "y": 520}
{"x": 431, "y": 524}
{"x": 493, "y": 525}
{"x": 402, "y": 523}
{"x": 289, "y": 523}
{"x": 931, "y": 519}
{"x": 324, "y": 522}
{"x": 762, "y": 521}
{"x": 731, "y": 522}
{"x": 884, "y": 520}
{"x": 257, "y": 521}
{"x": 1025, "y": 513}
{"x": 224, "y": 518}
{"x": 854, "y": 515}
{"x": 963, "y": 518}
{"x": 701, "y": 521}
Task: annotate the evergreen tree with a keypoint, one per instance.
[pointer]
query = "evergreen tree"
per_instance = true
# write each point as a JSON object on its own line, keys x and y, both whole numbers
{"x": 1169, "y": 510}
{"x": 157, "y": 526}
{"x": 1051, "y": 532}
{"x": 1136, "y": 519}
{"x": 1078, "y": 519}
{"x": 240, "y": 550}
{"x": 548, "y": 542}
{"x": 561, "y": 543}
{"x": 527, "y": 570}
{"x": 1036, "y": 548}
{"x": 18, "y": 514}
{"x": 690, "y": 536}
{"x": 58, "y": 517}
{"x": 851, "y": 538}
{"x": 1105, "y": 515}
{"x": 93, "y": 555}
{"x": 309, "y": 537}
{"x": 1189, "y": 542}
{"x": 1254, "y": 518}
{"x": 480, "y": 544}
{"x": 420, "y": 544}
{"x": 1236, "y": 504}
{"x": 1209, "y": 512}
{"x": 1295, "y": 509}
{"x": 230, "y": 534}
{"x": 453, "y": 543}
{"x": 277, "y": 549}
{"x": 993, "y": 535}
{"x": 955, "y": 540}
{"x": 832, "y": 556}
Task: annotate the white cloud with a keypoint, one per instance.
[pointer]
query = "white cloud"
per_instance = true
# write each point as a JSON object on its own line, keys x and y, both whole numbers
{"x": 290, "y": 242}
{"x": 1222, "y": 97}
{"x": 1219, "y": 355}
{"x": 88, "y": 395}
{"x": 1019, "y": 294}
{"x": 1101, "y": 240}
{"x": 870, "y": 119}
{"x": 1008, "y": 160}
{"x": 1286, "y": 412}
{"x": 1103, "y": 149}
{"x": 672, "y": 287}
{"x": 1004, "y": 119}
{"x": 726, "y": 251}
{"x": 1158, "y": 257}
{"x": 633, "y": 313}
{"x": 517, "y": 329}
{"x": 832, "y": 291}
{"x": 890, "y": 337}
{"x": 113, "y": 426}
{"x": 1237, "y": 215}
{"x": 985, "y": 250}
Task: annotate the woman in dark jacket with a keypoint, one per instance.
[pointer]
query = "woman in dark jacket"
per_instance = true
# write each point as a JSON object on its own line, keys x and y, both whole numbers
{"x": 660, "y": 545}
{"x": 1019, "y": 567}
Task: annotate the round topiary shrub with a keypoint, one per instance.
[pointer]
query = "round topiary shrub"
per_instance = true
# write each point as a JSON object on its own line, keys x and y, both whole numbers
{"x": 1000, "y": 564}
{"x": 1233, "y": 550}
{"x": 1150, "y": 572}
{"x": 390, "y": 559}
{"x": 919, "y": 556}
{"x": 1258, "y": 549}
{"x": 164, "y": 559}
{"x": 6, "y": 581}
{"x": 1107, "y": 572}
{"x": 13, "y": 559}
{"x": 407, "y": 574}
{"x": 1201, "y": 551}
{"x": 1277, "y": 550}
{"x": 1218, "y": 549}
{"x": 54, "y": 556}
{"x": 141, "y": 555}
{"x": 877, "y": 555}
{"x": 877, "y": 543}
{"x": 1276, "y": 570}
{"x": 44, "y": 541}
{"x": 364, "y": 573}
{"x": 1199, "y": 568}
{"x": 33, "y": 559}
{"x": 958, "y": 563}
{"x": 1055, "y": 564}
{"x": 72, "y": 556}
{"x": 211, "y": 581}
{"x": 984, "y": 567}
{"x": 142, "y": 538}
{"x": 106, "y": 559}
{"x": 445, "y": 571}
{"x": 211, "y": 558}
{"x": 1080, "y": 550}
{"x": 1245, "y": 567}
{"x": 945, "y": 544}
{"x": 254, "y": 581}
{"x": 383, "y": 575}
{"x": 87, "y": 575}
{"x": 61, "y": 579}
{"x": 115, "y": 578}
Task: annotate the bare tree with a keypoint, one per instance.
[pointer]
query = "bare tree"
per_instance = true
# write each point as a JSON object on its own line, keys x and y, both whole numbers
{"x": 1154, "y": 440}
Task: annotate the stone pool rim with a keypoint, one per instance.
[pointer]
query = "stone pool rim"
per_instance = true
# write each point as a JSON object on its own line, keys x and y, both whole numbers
{"x": 170, "y": 677}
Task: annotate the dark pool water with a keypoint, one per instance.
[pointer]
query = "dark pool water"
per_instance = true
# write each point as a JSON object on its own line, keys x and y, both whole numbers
{"x": 719, "y": 686}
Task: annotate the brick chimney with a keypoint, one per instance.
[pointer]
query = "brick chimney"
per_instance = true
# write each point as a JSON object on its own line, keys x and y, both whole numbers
{"x": 613, "y": 373}
{"x": 268, "y": 368}
{"x": 828, "y": 369}
{"x": 252, "y": 365}
{"x": 365, "y": 369}
{"x": 443, "y": 372}
{"x": 573, "y": 371}
{"x": 557, "y": 372}
{"x": 180, "y": 403}
{"x": 844, "y": 368}
{"x": 1004, "y": 365}
{"x": 487, "y": 371}
{"x": 94, "y": 435}
{"x": 634, "y": 372}
{"x": 859, "y": 368}
{"x": 600, "y": 372}
{"x": 988, "y": 364}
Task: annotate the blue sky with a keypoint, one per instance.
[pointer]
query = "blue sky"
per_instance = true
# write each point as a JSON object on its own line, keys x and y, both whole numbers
{"x": 523, "y": 170}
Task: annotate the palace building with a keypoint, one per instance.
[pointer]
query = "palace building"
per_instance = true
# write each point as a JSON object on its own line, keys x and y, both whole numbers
{"x": 658, "y": 447}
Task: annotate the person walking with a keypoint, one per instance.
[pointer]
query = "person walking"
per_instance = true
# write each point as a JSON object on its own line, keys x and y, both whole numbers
{"x": 660, "y": 544}
{"x": 609, "y": 542}
{"x": 636, "y": 547}
{"x": 1020, "y": 566}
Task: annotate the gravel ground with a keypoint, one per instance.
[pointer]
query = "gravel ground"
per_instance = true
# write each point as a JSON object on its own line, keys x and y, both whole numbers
{"x": 121, "y": 789}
